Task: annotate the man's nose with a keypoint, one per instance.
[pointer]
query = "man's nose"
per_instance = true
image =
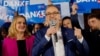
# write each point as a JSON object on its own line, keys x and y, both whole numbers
{"x": 52, "y": 16}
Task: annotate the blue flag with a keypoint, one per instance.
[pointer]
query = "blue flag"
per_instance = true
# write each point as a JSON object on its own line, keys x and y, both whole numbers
{"x": 85, "y": 6}
{"x": 56, "y": 1}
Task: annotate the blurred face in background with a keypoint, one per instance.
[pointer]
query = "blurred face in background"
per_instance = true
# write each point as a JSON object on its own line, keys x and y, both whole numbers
{"x": 67, "y": 23}
{"x": 3, "y": 32}
{"x": 20, "y": 25}
{"x": 94, "y": 23}
{"x": 36, "y": 28}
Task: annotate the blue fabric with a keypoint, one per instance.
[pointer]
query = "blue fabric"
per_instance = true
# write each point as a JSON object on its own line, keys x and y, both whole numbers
{"x": 85, "y": 6}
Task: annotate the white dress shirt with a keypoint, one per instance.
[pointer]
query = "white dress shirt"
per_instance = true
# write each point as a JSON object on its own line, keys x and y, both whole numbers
{"x": 59, "y": 45}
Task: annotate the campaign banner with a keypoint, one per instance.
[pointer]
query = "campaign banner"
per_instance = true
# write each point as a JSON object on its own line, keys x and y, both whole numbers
{"x": 56, "y": 1}
{"x": 15, "y": 4}
{"x": 8, "y": 7}
{"x": 33, "y": 13}
{"x": 85, "y": 6}
{"x": 6, "y": 14}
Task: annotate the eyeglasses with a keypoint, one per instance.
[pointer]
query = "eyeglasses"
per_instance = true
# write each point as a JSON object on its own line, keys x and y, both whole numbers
{"x": 54, "y": 13}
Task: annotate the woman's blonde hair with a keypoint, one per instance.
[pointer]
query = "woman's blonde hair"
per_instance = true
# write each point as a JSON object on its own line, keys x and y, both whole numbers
{"x": 12, "y": 29}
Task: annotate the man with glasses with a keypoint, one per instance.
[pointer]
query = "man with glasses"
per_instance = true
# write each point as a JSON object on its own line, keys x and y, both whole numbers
{"x": 54, "y": 40}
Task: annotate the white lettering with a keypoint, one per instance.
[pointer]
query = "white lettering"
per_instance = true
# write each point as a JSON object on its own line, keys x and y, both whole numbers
{"x": 39, "y": 14}
{"x": 27, "y": 15}
{"x": 33, "y": 14}
{"x": 6, "y": 17}
{"x": 43, "y": 13}
{"x": 5, "y": 3}
{"x": 78, "y": 1}
{"x": 16, "y": 3}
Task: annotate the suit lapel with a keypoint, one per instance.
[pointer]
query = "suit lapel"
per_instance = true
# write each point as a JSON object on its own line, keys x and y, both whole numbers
{"x": 64, "y": 35}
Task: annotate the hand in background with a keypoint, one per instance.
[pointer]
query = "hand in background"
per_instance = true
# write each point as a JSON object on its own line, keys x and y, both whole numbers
{"x": 74, "y": 8}
{"x": 77, "y": 33}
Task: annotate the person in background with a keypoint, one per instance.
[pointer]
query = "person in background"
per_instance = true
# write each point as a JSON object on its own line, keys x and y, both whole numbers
{"x": 93, "y": 34}
{"x": 3, "y": 33}
{"x": 4, "y": 30}
{"x": 29, "y": 27}
{"x": 65, "y": 44}
{"x": 76, "y": 18}
{"x": 37, "y": 27}
{"x": 66, "y": 22}
{"x": 18, "y": 41}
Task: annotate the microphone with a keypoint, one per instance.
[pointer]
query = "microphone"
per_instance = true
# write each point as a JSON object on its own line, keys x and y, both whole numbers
{"x": 53, "y": 24}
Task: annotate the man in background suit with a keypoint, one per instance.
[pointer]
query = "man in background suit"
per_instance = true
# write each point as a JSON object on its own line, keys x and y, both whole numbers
{"x": 69, "y": 43}
{"x": 92, "y": 35}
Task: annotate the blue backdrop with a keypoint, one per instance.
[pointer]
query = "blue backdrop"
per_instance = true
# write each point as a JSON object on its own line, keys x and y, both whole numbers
{"x": 85, "y": 6}
{"x": 36, "y": 13}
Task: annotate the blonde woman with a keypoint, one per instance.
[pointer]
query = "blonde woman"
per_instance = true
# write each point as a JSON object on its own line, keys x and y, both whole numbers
{"x": 19, "y": 41}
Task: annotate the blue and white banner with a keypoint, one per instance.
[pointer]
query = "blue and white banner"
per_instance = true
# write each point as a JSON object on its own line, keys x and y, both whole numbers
{"x": 8, "y": 7}
{"x": 85, "y": 6}
{"x": 15, "y": 4}
{"x": 33, "y": 13}
{"x": 6, "y": 14}
{"x": 56, "y": 1}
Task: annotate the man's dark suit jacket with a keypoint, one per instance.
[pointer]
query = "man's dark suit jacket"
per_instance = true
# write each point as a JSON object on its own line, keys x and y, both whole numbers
{"x": 72, "y": 46}
{"x": 93, "y": 40}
